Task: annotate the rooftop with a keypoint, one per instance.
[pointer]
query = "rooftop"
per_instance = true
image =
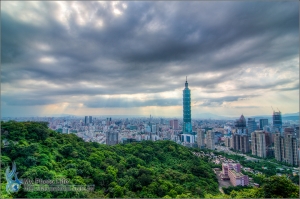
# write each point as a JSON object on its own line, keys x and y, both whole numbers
{"x": 236, "y": 174}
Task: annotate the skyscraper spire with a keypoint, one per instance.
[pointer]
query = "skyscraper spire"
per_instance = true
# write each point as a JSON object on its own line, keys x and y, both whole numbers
{"x": 186, "y": 83}
{"x": 187, "y": 126}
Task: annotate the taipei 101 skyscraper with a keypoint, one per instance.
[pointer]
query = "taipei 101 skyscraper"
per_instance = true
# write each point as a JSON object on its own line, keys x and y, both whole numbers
{"x": 187, "y": 125}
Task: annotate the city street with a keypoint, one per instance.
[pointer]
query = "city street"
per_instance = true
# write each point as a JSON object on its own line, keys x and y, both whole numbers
{"x": 226, "y": 150}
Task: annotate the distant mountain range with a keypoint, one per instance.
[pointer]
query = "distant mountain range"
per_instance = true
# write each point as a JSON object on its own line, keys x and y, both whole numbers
{"x": 287, "y": 116}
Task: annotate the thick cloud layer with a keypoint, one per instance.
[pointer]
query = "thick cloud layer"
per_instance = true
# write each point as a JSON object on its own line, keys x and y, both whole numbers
{"x": 83, "y": 52}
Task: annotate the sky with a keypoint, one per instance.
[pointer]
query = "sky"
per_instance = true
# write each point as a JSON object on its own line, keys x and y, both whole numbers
{"x": 132, "y": 58}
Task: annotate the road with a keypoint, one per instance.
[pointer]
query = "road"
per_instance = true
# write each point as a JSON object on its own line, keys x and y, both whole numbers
{"x": 226, "y": 150}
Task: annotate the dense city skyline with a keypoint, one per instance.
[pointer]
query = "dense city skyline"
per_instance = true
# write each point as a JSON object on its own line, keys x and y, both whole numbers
{"x": 132, "y": 58}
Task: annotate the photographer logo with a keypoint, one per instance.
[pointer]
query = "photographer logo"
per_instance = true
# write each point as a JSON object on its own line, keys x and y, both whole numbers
{"x": 12, "y": 186}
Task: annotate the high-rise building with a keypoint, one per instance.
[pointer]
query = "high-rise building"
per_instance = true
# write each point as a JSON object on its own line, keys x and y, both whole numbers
{"x": 258, "y": 144}
{"x": 244, "y": 144}
{"x": 174, "y": 124}
{"x": 269, "y": 141}
{"x": 231, "y": 142}
{"x": 240, "y": 142}
{"x": 112, "y": 138}
{"x": 262, "y": 123}
{"x": 291, "y": 149}
{"x": 108, "y": 121}
{"x": 86, "y": 120}
{"x": 289, "y": 130}
{"x": 200, "y": 138}
{"x": 187, "y": 125}
{"x": 278, "y": 147}
{"x": 286, "y": 149}
{"x": 90, "y": 119}
{"x": 171, "y": 124}
{"x": 227, "y": 141}
{"x": 277, "y": 122}
{"x": 210, "y": 140}
{"x": 154, "y": 129}
{"x": 251, "y": 125}
{"x": 240, "y": 125}
{"x": 236, "y": 141}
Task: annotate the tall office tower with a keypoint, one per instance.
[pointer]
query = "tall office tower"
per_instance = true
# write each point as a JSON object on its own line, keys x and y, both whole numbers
{"x": 162, "y": 121}
{"x": 108, "y": 121}
{"x": 90, "y": 119}
{"x": 112, "y": 138}
{"x": 176, "y": 125}
{"x": 262, "y": 123}
{"x": 187, "y": 125}
{"x": 251, "y": 125}
{"x": 153, "y": 129}
{"x": 200, "y": 138}
{"x": 258, "y": 144}
{"x": 171, "y": 123}
{"x": 277, "y": 122}
{"x": 240, "y": 125}
{"x": 210, "y": 140}
{"x": 291, "y": 149}
{"x": 86, "y": 120}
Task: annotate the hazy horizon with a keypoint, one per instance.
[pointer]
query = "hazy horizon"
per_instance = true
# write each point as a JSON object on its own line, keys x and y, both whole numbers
{"x": 132, "y": 58}
{"x": 202, "y": 116}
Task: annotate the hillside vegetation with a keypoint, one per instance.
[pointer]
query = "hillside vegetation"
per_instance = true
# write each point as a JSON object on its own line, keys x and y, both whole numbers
{"x": 138, "y": 170}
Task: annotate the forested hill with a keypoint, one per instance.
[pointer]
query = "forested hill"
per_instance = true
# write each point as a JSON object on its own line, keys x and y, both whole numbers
{"x": 138, "y": 170}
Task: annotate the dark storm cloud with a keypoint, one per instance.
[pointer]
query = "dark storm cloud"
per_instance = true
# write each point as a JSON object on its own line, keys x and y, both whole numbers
{"x": 147, "y": 49}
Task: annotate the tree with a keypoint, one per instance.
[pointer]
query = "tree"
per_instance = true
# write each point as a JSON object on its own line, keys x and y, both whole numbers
{"x": 280, "y": 187}
{"x": 40, "y": 172}
{"x": 37, "y": 131}
{"x": 15, "y": 130}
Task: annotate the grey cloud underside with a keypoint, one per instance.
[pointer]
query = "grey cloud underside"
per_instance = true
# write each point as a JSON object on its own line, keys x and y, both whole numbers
{"x": 127, "y": 103}
{"x": 221, "y": 100}
{"x": 127, "y": 57}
